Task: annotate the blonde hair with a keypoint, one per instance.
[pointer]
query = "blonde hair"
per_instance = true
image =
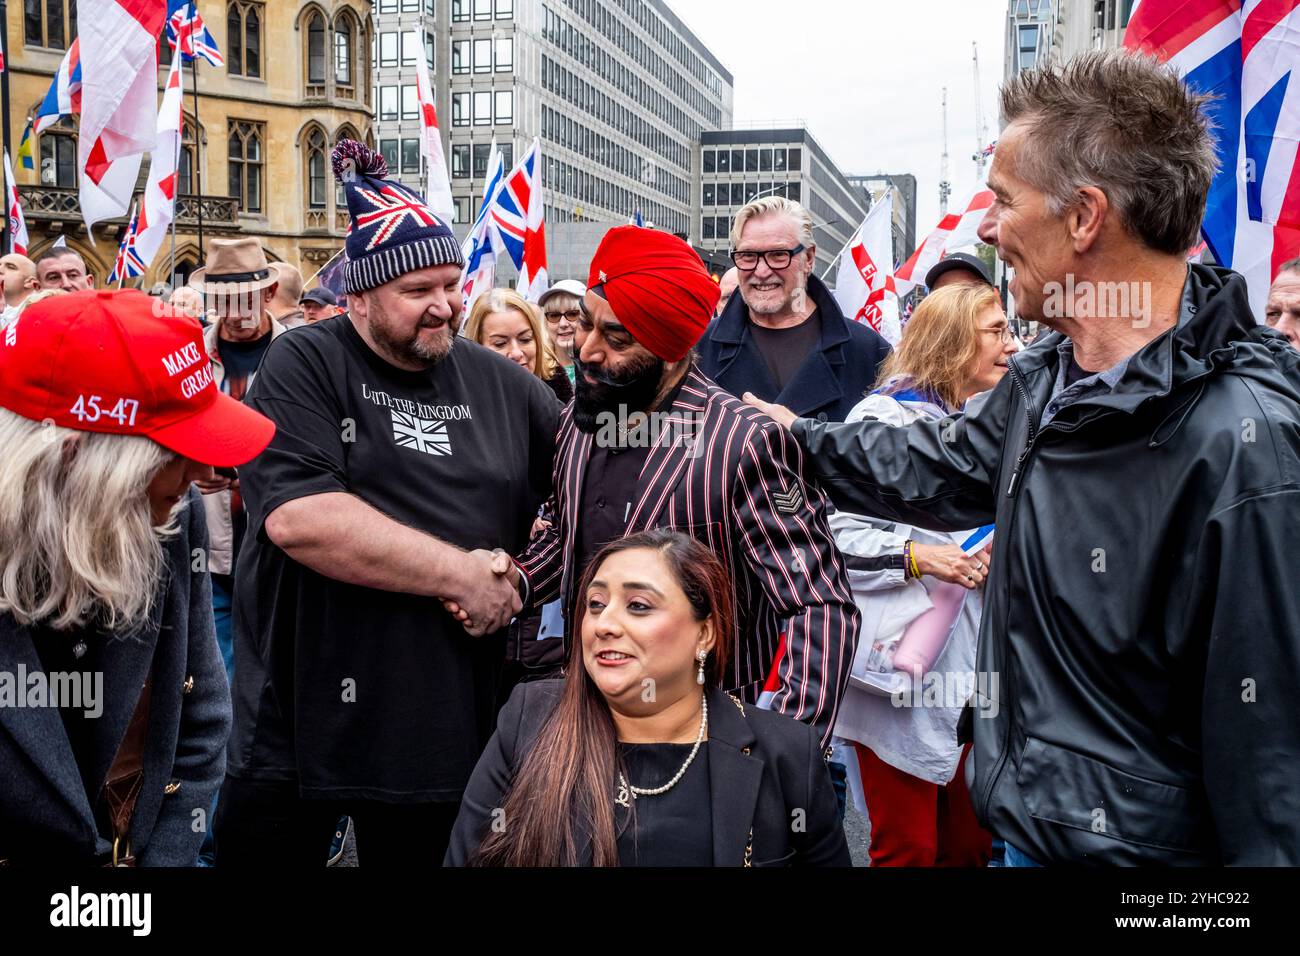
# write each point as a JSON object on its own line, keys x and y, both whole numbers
{"x": 77, "y": 540}
{"x": 39, "y": 296}
{"x": 940, "y": 344}
{"x": 506, "y": 300}
{"x": 774, "y": 204}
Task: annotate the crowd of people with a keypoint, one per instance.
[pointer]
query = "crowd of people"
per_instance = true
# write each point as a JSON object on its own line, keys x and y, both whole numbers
{"x": 661, "y": 571}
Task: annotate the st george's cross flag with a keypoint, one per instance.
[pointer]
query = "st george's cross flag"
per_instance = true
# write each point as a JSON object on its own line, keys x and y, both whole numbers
{"x": 17, "y": 224}
{"x": 437, "y": 190}
{"x": 955, "y": 231}
{"x": 864, "y": 284}
{"x": 119, "y": 95}
{"x": 159, "y": 206}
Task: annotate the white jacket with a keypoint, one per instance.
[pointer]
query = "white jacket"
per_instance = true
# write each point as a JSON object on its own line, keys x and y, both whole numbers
{"x": 919, "y": 740}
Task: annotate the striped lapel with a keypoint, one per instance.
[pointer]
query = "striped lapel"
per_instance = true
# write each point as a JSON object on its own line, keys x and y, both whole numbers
{"x": 674, "y": 451}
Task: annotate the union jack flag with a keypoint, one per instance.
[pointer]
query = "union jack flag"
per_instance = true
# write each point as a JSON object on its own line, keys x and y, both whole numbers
{"x": 510, "y": 213}
{"x": 422, "y": 434}
{"x": 128, "y": 264}
{"x": 1243, "y": 52}
{"x": 392, "y": 205}
{"x": 188, "y": 34}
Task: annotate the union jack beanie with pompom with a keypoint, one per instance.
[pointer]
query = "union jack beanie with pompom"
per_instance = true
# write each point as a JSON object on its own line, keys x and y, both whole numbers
{"x": 392, "y": 231}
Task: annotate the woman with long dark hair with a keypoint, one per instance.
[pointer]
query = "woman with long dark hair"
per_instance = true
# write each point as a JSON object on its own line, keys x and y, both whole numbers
{"x": 636, "y": 758}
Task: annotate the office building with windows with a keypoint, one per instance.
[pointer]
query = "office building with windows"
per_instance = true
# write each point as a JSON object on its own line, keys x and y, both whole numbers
{"x": 737, "y": 166}
{"x": 1055, "y": 30}
{"x": 619, "y": 91}
{"x": 902, "y": 188}
{"x": 404, "y": 30}
{"x": 254, "y": 159}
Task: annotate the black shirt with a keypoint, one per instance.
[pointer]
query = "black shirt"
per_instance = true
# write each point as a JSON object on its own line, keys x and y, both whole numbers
{"x": 612, "y": 485}
{"x": 785, "y": 350}
{"x": 610, "y": 489}
{"x": 1075, "y": 372}
{"x": 358, "y": 692}
{"x": 673, "y": 828}
{"x": 239, "y": 362}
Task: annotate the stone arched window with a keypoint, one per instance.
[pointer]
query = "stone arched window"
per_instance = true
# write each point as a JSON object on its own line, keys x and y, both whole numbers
{"x": 316, "y": 62}
{"x": 58, "y": 152}
{"x": 318, "y": 174}
{"x": 191, "y": 138}
{"x": 348, "y": 59}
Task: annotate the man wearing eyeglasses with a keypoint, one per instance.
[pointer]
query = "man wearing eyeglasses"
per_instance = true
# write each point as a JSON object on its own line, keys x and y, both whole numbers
{"x": 784, "y": 338}
{"x": 560, "y": 304}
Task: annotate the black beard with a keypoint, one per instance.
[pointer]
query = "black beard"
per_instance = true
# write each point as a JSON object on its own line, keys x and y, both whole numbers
{"x": 635, "y": 387}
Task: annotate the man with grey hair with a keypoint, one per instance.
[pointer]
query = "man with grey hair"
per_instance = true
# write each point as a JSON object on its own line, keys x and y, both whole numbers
{"x": 1141, "y": 628}
{"x": 1282, "y": 311}
{"x": 784, "y": 337}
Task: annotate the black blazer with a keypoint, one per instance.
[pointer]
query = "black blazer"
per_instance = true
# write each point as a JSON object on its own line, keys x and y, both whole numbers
{"x": 44, "y": 814}
{"x": 764, "y": 769}
{"x": 733, "y": 479}
{"x": 834, "y": 377}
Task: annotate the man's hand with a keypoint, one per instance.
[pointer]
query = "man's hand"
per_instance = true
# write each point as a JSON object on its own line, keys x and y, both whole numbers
{"x": 490, "y": 595}
{"x": 782, "y": 415}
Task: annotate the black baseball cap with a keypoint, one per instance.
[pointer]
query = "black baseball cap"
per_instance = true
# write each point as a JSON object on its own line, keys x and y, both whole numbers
{"x": 320, "y": 295}
{"x": 957, "y": 260}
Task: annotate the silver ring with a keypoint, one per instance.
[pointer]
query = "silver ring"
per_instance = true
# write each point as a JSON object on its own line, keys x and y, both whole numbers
{"x": 979, "y": 566}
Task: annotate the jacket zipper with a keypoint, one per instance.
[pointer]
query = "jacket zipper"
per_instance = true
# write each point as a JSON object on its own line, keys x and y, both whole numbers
{"x": 987, "y": 796}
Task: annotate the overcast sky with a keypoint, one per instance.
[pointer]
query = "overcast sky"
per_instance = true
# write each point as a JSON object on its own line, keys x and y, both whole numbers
{"x": 866, "y": 77}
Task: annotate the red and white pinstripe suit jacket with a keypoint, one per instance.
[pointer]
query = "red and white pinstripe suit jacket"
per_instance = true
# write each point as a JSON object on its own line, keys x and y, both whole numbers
{"x": 739, "y": 487}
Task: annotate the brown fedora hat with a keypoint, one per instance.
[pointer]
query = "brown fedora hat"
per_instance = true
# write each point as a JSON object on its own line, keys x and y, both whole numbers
{"x": 234, "y": 265}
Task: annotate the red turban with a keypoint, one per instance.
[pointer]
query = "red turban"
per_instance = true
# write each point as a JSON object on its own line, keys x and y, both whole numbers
{"x": 657, "y": 286}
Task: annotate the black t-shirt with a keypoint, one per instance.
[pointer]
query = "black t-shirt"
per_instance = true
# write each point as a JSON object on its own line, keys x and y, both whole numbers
{"x": 239, "y": 362}
{"x": 1075, "y": 372}
{"x": 785, "y": 350}
{"x": 358, "y": 692}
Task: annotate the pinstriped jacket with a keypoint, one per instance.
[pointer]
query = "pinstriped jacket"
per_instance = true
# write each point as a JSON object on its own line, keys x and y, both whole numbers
{"x": 732, "y": 478}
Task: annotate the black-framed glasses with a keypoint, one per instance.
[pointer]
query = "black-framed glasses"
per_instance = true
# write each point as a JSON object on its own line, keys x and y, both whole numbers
{"x": 572, "y": 315}
{"x": 776, "y": 259}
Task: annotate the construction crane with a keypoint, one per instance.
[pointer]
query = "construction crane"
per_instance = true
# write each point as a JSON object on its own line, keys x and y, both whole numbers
{"x": 981, "y": 129}
{"x": 945, "y": 187}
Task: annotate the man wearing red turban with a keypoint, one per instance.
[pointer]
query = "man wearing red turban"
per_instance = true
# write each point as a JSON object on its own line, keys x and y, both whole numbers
{"x": 650, "y": 442}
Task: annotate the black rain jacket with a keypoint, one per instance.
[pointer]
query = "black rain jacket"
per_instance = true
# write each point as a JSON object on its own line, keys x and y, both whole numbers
{"x": 1140, "y": 645}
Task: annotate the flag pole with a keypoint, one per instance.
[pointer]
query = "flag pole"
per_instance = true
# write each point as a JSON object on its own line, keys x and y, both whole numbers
{"x": 7, "y": 245}
{"x": 324, "y": 267}
{"x": 198, "y": 145}
{"x": 126, "y": 238}
{"x": 176, "y": 212}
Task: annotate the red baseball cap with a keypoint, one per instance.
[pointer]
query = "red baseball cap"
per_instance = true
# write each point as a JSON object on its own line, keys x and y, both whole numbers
{"x": 126, "y": 364}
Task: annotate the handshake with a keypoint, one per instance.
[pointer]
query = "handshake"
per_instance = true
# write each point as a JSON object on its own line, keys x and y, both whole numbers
{"x": 485, "y": 595}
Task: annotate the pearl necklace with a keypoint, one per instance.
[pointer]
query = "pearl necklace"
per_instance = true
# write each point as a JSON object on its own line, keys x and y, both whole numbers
{"x": 624, "y": 788}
